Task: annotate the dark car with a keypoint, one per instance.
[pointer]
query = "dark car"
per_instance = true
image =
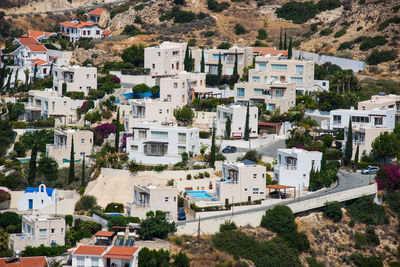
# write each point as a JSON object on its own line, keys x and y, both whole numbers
{"x": 181, "y": 214}
{"x": 229, "y": 149}
{"x": 370, "y": 170}
{"x": 274, "y": 194}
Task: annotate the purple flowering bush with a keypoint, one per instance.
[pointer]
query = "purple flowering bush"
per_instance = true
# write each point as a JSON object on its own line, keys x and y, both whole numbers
{"x": 115, "y": 79}
{"x": 388, "y": 177}
{"x": 103, "y": 131}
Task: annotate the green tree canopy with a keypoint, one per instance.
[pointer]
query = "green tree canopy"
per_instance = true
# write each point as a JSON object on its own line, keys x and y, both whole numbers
{"x": 140, "y": 88}
{"x": 280, "y": 220}
{"x": 184, "y": 115}
{"x": 48, "y": 167}
{"x": 134, "y": 55}
{"x": 386, "y": 145}
{"x": 156, "y": 225}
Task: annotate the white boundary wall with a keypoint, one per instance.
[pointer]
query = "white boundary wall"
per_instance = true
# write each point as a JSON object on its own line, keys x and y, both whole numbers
{"x": 253, "y": 218}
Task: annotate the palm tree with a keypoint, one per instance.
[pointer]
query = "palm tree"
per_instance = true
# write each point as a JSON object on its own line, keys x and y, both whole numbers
{"x": 133, "y": 166}
{"x": 337, "y": 76}
{"x": 26, "y": 71}
{"x": 307, "y": 124}
{"x": 349, "y": 76}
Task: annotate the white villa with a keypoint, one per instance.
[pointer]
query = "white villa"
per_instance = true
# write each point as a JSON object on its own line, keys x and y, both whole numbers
{"x": 153, "y": 198}
{"x": 39, "y": 230}
{"x": 36, "y": 198}
{"x": 294, "y": 166}
{"x": 237, "y": 114}
{"x": 152, "y": 143}
{"x": 75, "y": 78}
{"x": 165, "y": 59}
{"x": 241, "y": 182}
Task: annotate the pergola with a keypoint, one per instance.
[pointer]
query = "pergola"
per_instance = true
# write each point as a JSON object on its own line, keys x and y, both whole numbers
{"x": 280, "y": 187}
{"x": 104, "y": 237}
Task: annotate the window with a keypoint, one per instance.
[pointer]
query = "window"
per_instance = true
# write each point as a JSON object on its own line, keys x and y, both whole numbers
{"x": 279, "y": 67}
{"x": 166, "y": 199}
{"x": 160, "y": 111}
{"x": 42, "y": 233}
{"x": 159, "y": 135}
{"x": 240, "y": 92}
{"x": 262, "y": 66}
{"x": 299, "y": 69}
{"x": 337, "y": 119}
{"x": 181, "y": 137}
{"x": 65, "y": 103}
{"x": 172, "y": 66}
{"x": 278, "y": 93}
{"x": 255, "y": 191}
{"x": 95, "y": 261}
{"x": 153, "y": 65}
{"x": 82, "y": 141}
{"x": 53, "y": 230}
{"x": 80, "y": 261}
{"x": 378, "y": 121}
{"x": 274, "y": 78}
{"x": 360, "y": 119}
{"x": 175, "y": 85}
{"x": 256, "y": 79}
{"x": 254, "y": 175}
{"x": 97, "y": 32}
{"x": 181, "y": 149}
{"x": 88, "y": 88}
{"x": 87, "y": 76}
{"x": 62, "y": 230}
{"x": 53, "y": 105}
{"x": 297, "y": 80}
{"x": 323, "y": 83}
{"x": 82, "y": 154}
{"x": 134, "y": 147}
{"x": 142, "y": 134}
{"x": 158, "y": 54}
{"x": 175, "y": 53}
{"x": 258, "y": 91}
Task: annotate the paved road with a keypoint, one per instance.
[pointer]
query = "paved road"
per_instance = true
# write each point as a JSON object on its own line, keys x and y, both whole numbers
{"x": 346, "y": 181}
{"x": 271, "y": 149}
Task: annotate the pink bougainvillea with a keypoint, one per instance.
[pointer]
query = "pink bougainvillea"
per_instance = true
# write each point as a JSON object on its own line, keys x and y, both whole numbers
{"x": 115, "y": 79}
{"x": 103, "y": 131}
{"x": 388, "y": 178}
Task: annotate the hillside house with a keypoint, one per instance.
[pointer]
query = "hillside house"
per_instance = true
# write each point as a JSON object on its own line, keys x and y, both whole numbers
{"x": 36, "y": 198}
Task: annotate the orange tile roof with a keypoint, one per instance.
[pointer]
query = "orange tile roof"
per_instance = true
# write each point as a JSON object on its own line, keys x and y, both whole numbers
{"x": 89, "y": 250}
{"x": 39, "y": 62}
{"x": 79, "y": 24}
{"x": 106, "y": 32}
{"x": 104, "y": 233}
{"x": 270, "y": 51}
{"x": 36, "y": 34}
{"x": 97, "y": 12}
{"x": 27, "y": 40}
{"x": 85, "y": 24}
{"x": 25, "y": 262}
{"x": 37, "y": 48}
{"x": 125, "y": 253}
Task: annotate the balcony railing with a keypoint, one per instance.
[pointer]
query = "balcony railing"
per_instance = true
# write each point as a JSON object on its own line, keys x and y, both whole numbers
{"x": 141, "y": 204}
{"x": 287, "y": 167}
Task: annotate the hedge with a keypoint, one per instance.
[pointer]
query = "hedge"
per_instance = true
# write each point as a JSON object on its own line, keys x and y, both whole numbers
{"x": 377, "y": 57}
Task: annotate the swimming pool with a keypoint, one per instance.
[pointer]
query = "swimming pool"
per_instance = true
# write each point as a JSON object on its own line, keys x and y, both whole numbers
{"x": 199, "y": 194}
{"x": 24, "y": 160}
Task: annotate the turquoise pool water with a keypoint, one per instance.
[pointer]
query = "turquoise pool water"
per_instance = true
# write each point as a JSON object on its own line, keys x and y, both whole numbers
{"x": 24, "y": 160}
{"x": 198, "y": 194}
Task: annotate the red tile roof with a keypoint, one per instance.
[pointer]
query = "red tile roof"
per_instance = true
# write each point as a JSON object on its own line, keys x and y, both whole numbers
{"x": 97, "y": 12}
{"x": 269, "y": 51}
{"x": 125, "y": 253}
{"x": 106, "y": 32}
{"x": 89, "y": 250}
{"x": 37, "y": 34}
{"x": 104, "y": 233}
{"x": 37, "y": 48}
{"x": 27, "y": 40}
{"x": 79, "y": 24}
{"x": 25, "y": 262}
{"x": 39, "y": 62}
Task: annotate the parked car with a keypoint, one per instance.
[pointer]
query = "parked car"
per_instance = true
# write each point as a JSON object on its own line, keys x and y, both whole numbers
{"x": 229, "y": 149}
{"x": 370, "y": 170}
{"x": 181, "y": 214}
{"x": 274, "y": 194}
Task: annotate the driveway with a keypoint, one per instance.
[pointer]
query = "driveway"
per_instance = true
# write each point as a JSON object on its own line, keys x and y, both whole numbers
{"x": 270, "y": 150}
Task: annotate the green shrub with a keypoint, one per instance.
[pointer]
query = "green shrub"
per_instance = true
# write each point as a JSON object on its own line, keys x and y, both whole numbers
{"x": 363, "y": 261}
{"x": 325, "y": 32}
{"x": 360, "y": 240}
{"x": 333, "y": 211}
{"x": 204, "y": 134}
{"x": 131, "y": 30}
{"x": 227, "y": 226}
{"x": 44, "y": 251}
{"x": 333, "y": 154}
{"x": 377, "y": 57}
{"x": 114, "y": 207}
{"x": 156, "y": 226}
{"x": 312, "y": 262}
{"x": 116, "y": 221}
{"x": 86, "y": 203}
{"x": 69, "y": 219}
{"x": 393, "y": 199}
{"x": 340, "y": 33}
{"x": 130, "y": 219}
{"x": 206, "y": 174}
{"x": 297, "y": 240}
{"x": 279, "y": 219}
{"x": 364, "y": 210}
{"x": 373, "y": 42}
{"x": 383, "y": 25}
{"x": 239, "y": 29}
{"x": 209, "y": 34}
{"x": 215, "y": 6}
{"x": 139, "y": 7}
{"x": 224, "y": 45}
{"x": 262, "y": 34}
{"x": 188, "y": 177}
{"x": 160, "y": 168}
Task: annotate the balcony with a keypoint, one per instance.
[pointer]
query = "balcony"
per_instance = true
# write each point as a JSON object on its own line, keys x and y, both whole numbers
{"x": 141, "y": 204}
{"x": 286, "y": 166}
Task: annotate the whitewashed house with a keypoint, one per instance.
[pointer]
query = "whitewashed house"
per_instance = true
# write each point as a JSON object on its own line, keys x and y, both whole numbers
{"x": 294, "y": 165}
{"x": 39, "y": 230}
{"x": 75, "y": 78}
{"x": 241, "y": 182}
{"x": 74, "y": 30}
{"x": 165, "y": 59}
{"x": 25, "y": 54}
{"x": 36, "y": 198}
{"x": 153, "y": 143}
{"x": 153, "y": 198}
{"x": 237, "y": 114}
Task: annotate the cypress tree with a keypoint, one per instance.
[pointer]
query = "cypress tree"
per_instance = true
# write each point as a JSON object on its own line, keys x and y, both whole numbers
{"x": 280, "y": 40}
{"x": 35, "y": 70}
{"x": 312, "y": 182}
{"x": 191, "y": 61}
{"x": 9, "y": 81}
{"x": 32, "y": 166}
{"x": 51, "y": 69}
{"x": 117, "y": 134}
{"x": 356, "y": 156}
{"x": 3, "y": 73}
{"x": 323, "y": 162}
{"x": 71, "y": 176}
{"x": 16, "y": 80}
{"x": 228, "y": 126}
{"x": 290, "y": 48}
{"x": 202, "y": 63}
{"x": 348, "y": 153}
{"x": 186, "y": 61}
{"x": 212, "y": 151}
{"x": 235, "y": 68}
{"x": 285, "y": 43}
{"x": 246, "y": 125}
{"x": 219, "y": 68}
{"x": 83, "y": 178}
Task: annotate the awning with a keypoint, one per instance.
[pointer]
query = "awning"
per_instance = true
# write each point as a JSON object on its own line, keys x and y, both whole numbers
{"x": 155, "y": 143}
{"x": 104, "y": 234}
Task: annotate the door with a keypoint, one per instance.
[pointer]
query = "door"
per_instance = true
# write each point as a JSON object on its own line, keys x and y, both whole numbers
{"x": 30, "y": 204}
